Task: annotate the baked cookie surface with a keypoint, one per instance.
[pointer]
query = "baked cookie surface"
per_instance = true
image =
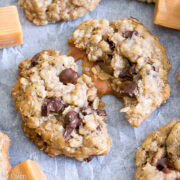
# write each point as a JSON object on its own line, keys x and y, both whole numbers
{"x": 4, "y": 157}
{"x": 158, "y": 158}
{"x": 60, "y": 109}
{"x": 42, "y": 12}
{"x": 134, "y": 61}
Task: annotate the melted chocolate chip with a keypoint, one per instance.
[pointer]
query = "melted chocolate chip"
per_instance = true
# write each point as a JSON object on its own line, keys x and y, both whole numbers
{"x": 52, "y": 104}
{"x": 101, "y": 112}
{"x": 129, "y": 89}
{"x": 163, "y": 165}
{"x": 35, "y": 59}
{"x": 68, "y": 76}
{"x": 72, "y": 121}
{"x": 130, "y": 34}
{"x": 128, "y": 72}
{"x": 89, "y": 158}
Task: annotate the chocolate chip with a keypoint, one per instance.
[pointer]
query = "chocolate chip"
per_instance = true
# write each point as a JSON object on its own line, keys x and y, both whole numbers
{"x": 154, "y": 68}
{"x": 129, "y": 89}
{"x": 128, "y": 72}
{"x": 133, "y": 69}
{"x": 177, "y": 178}
{"x": 111, "y": 44}
{"x": 110, "y": 56}
{"x": 101, "y": 112}
{"x": 52, "y": 104}
{"x": 99, "y": 128}
{"x": 72, "y": 121}
{"x": 35, "y": 59}
{"x": 163, "y": 165}
{"x": 130, "y": 34}
{"x": 86, "y": 110}
{"x": 68, "y": 76}
{"x": 89, "y": 158}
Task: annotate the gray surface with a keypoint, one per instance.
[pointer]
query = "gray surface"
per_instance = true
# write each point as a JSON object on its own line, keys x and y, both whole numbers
{"x": 119, "y": 164}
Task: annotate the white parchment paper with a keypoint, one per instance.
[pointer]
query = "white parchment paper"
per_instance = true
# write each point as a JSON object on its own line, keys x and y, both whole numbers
{"x": 119, "y": 164}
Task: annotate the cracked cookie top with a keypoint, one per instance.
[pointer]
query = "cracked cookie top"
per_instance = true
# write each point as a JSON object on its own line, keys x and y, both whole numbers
{"x": 42, "y": 12}
{"x": 134, "y": 61}
{"x": 60, "y": 109}
{"x": 158, "y": 158}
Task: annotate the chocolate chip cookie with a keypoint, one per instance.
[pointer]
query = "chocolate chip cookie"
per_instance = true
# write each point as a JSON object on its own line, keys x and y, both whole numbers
{"x": 4, "y": 157}
{"x": 131, "y": 59}
{"x": 159, "y": 157}
{"x": 42, "y": 12}
{"x": 60, "y": 109}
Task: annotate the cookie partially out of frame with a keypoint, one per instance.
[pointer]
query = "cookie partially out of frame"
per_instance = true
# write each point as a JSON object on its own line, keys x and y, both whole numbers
{"x": 4, "y": 157}
{"x": 159, "y": 157}
{"x": 178, "y": 76}
{"x": 60, "y": 109}
{"x": 42, "y": 12}
{"x": 135, "y": 63}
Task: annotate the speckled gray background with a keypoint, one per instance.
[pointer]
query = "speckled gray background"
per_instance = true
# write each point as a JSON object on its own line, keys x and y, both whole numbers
{"x": 119, "y": 164}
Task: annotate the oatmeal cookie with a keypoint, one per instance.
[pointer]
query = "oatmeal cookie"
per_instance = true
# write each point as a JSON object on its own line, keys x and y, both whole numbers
{"x": 42, "y": 12}
{"x": 60, "y": 109}
{"x": 148, "y": 1}
{"x": 159, "y": 157}
{"x": 4, "y": 157}
{"x": 135, "y": 63}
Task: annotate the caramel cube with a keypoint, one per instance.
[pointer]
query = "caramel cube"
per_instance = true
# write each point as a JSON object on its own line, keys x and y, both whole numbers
{"x": 167, "y": 13}
{"x": 27, "y": 170}
{"x": 10, "y": 27}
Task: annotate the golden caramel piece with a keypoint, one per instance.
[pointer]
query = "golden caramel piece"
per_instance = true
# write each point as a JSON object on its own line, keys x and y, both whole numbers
{"x": 178, "y": 76}
{"x": 167, "y": 13}
{"x": 4, "y": 157}
{"x": 10, "y": 27}
{"x": 27, "y": 170}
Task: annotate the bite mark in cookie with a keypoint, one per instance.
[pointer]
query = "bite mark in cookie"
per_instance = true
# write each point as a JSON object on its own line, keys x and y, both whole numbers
{"x": 158, "y": 157}
{"x": 130, "y": 60}
{"x": 60, "y": 110}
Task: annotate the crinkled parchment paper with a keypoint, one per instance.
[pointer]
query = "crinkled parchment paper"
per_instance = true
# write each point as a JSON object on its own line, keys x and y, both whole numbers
{"x": 119, "y": 164}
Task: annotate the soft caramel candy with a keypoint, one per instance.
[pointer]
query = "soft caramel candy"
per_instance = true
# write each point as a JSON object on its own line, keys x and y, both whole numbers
{"x": 4, "y": 157}
{"x": 167, "y": 13}
{"x": 27, "y": 170}
{"x": 10, "y": 27}
{"x": 178, "y": 76}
